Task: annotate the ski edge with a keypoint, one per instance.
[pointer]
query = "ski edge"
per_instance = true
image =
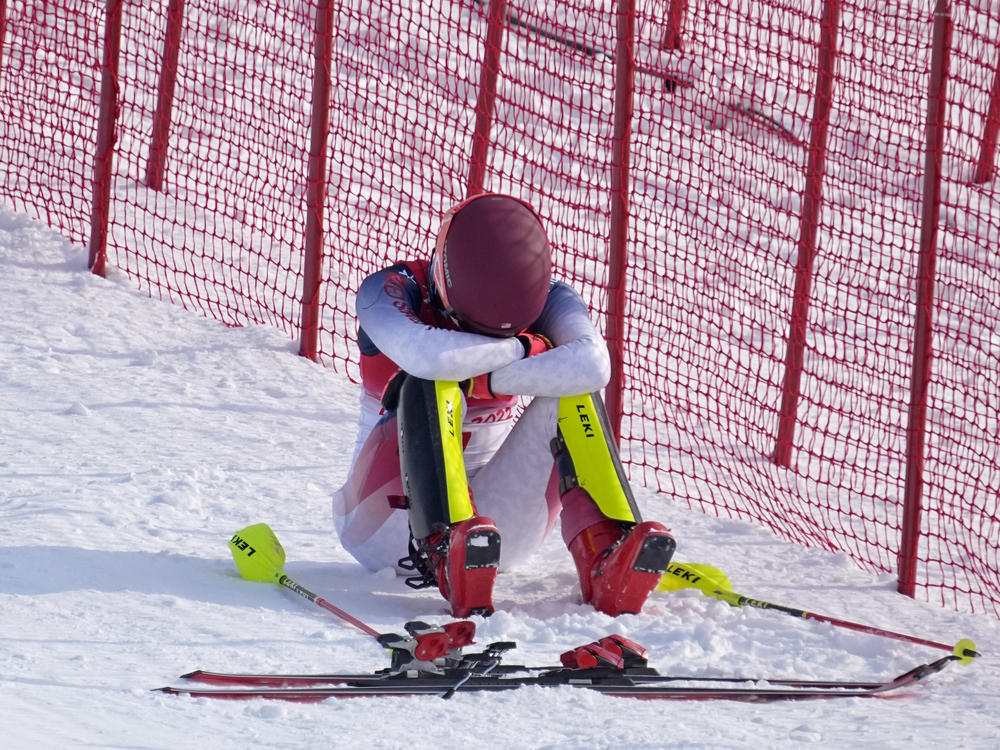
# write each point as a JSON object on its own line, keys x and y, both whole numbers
{"x": 249, "y": 680}
{"x": 375, "y": 686}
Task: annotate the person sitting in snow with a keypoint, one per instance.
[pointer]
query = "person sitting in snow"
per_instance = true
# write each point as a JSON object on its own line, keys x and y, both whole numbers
{"x": 447, "y": 464}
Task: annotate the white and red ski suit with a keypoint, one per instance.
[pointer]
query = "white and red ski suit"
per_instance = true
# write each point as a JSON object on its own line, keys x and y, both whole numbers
{"x": 507, "y": 454}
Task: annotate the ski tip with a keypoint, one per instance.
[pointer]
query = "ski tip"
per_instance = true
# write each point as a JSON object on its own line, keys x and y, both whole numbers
{"x": 965, "y": 650}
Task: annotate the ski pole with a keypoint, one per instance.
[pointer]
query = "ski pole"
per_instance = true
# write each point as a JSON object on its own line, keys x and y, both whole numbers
{"x": 259, "y": 556}
{"x": 713, "y": 582}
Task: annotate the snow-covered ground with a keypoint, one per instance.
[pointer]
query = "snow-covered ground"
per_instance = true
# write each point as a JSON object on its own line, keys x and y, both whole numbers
{"x": 137, "y": 437}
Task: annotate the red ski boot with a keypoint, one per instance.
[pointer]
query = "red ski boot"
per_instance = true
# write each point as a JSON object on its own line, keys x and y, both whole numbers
{"x": 467, "y": 574}
{"x": 620, "y": 565}
{"x": 462, "y": 561}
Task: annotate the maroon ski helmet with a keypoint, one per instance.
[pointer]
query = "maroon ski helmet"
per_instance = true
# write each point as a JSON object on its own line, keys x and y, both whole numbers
{"x": 491, "y": 266}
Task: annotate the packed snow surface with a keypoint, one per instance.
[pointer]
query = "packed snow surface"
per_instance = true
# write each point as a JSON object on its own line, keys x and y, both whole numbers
{"x": 138, "y": 437}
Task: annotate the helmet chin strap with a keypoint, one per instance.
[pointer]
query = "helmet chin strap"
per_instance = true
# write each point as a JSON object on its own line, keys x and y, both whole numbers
{"x": 440, "y": 310}
{"x": 449, "y": 314}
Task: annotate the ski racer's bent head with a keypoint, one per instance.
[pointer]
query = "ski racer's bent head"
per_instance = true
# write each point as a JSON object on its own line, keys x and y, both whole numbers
{"x": 491, "y": 267}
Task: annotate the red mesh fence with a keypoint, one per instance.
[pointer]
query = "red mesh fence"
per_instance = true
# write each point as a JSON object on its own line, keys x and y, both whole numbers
{"x": 961, "y": 534}
{"x": 50, "y": 76}
{"x": 747, "y": 180}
